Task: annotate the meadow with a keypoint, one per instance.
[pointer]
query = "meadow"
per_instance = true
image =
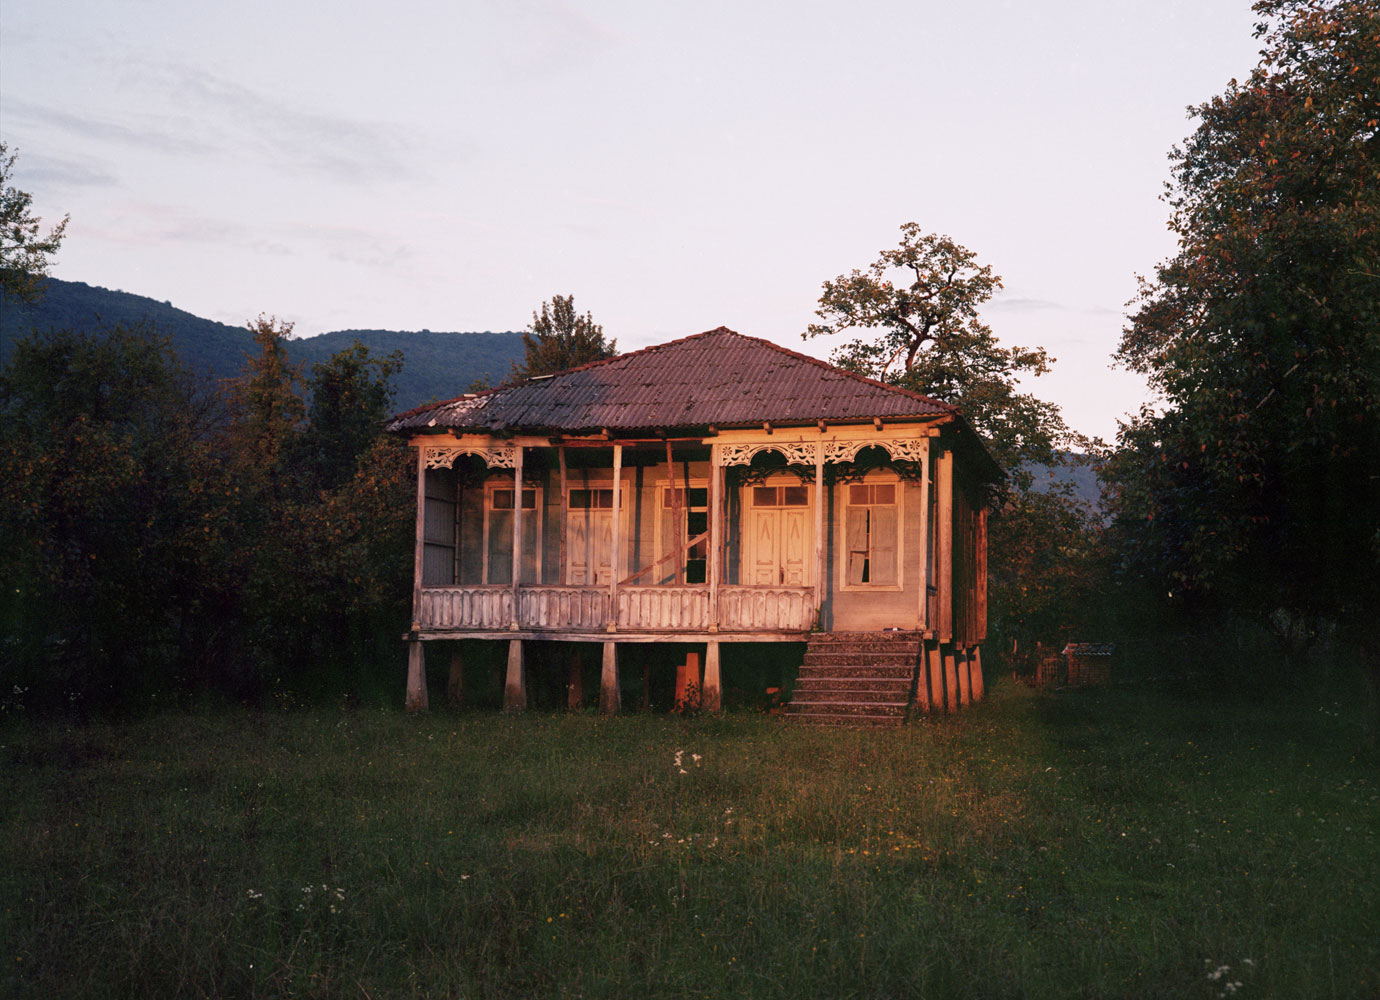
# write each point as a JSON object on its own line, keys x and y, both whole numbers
{"x": 1124, "y": 842}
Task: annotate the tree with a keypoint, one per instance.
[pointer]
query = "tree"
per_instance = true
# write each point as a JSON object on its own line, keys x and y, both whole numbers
{"x": 1255, "y": 488}
{"x": 24, "y": 253}
{"x": 267, "y": 405}
{"x": 559, "y": 338}
{"x": 922, "y": 299}
{"x": 351, "y": 396}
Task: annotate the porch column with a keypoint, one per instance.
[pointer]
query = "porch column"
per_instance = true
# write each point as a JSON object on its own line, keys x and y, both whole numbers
{"x": 517, "y": 545}
{"x": 950, "y": 678}
{"x": 416, "y": 677}
{"x": 711, "y": 699}
{"x": 944, "y": 572}
{"x": 455, "y": 683}
{"x": 716, "y": 528}
{"x": 609, "y": 695}
{"x": 936, "y": 671}
{"x": 923, "y": 612}
{"x": 979, "y": 686}
{"x": 965, "y": 696}
{"x": 565, "y": 517}
{"x": 420, "y": 547}
{"x": 617, "y": 557}
{"x": 515, "y": 685}
{"x": 819, "y": 533}
{"x": 575, "y": 686}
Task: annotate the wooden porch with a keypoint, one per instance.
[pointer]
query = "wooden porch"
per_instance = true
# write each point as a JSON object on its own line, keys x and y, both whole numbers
{"x": 571, "y": 612}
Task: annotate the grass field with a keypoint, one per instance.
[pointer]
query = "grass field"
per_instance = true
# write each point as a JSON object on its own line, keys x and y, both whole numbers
{"x": 1119, "y": 843}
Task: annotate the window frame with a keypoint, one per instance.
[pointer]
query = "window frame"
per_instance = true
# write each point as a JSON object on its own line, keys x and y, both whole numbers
{"x": 843, "y": 552}
{"x": 493, "y": 487}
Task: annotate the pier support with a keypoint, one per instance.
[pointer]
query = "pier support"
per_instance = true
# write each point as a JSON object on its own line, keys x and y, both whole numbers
{"x": 609, "y": 695}
{"x": 711, "y": 699}
{"x": 515, "y": 685}
{"x": 416, "y": 677}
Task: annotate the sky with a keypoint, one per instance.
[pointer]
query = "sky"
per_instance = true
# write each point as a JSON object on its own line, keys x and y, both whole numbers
{"x": 676, "y": 167}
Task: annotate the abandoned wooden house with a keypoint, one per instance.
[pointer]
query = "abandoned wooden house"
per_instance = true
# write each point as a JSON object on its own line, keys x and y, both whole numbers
{"x": 715, "y": 489}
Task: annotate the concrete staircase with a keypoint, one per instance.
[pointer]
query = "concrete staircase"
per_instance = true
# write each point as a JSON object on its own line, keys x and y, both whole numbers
{"x": 856, "y": 679}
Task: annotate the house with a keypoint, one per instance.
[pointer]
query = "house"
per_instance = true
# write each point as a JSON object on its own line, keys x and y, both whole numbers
{"x": 714, "y": 489}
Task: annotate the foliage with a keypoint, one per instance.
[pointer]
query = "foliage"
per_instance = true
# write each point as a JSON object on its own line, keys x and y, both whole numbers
{"x": 923, "y": 300}
{"x": 107, "y": 544}
{"x": 1256, "y": 486}
{"x": 559, "y": 338}
{"x": 162, "y": 541}
{"x": 24, "y": 251}
{"x": 1117, "y": 844}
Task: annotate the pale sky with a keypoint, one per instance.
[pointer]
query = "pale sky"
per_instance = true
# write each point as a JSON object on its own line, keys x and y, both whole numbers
{"x": 677, "y": 167}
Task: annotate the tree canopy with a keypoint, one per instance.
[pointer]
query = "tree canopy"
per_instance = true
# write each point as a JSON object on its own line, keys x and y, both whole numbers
{"x": 25, "y": 253}
{"x": 1256, "y": 484}
{"x": 560, "y": 338}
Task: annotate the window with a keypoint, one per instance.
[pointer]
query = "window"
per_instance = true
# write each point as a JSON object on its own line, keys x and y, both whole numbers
{"x": 498, "y": 533}
{"x": 591, "y": 499}
{"x": 780, "y": 496}
{"x": 871, "y": 533}
{"x": 694, "y": 513}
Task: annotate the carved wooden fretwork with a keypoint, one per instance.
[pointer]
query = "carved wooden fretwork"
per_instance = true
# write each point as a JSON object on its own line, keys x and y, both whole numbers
{"x": 501, "y": 457}
{"x": 795, "y": 452}
{"x": 900, "y": 450}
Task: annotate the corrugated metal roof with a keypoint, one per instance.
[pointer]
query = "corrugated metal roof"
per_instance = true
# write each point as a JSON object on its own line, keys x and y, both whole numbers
{"x": 719, "y": 377}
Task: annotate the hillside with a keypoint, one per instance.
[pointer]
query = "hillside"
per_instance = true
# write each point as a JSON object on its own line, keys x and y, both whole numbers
{"x": 436, "y": 366}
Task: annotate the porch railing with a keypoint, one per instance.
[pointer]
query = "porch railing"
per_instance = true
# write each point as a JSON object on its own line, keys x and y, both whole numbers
{"x": 586, "y": 609}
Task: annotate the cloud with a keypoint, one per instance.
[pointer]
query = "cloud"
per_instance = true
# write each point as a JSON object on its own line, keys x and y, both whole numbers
{"x": 1009, "y": 304}
{"x": 53, "y": 173}
{"x": 149, "y": 132}
{"x": 343, "y": 148}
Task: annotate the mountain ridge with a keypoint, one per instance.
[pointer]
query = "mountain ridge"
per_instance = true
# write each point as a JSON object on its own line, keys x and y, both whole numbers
{"x": 437, "y": 365}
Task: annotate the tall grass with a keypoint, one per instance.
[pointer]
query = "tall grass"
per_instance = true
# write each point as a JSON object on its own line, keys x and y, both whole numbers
{"x": 1105, "y": 844}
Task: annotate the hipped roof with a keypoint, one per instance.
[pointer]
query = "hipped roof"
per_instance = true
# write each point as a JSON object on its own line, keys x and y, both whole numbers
{"x": 719, "y": 378}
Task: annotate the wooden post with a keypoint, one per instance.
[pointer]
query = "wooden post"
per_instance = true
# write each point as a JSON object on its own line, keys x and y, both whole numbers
{"x": 688, "y": 683}
{"x": 936, "y": 672}
{"x": 416, "y": 677}
{"x": 420, "y": 540}
{"x": 515, "y": 686}
{"x": 975, "y": 674}
{"x": 711, "y": 699}
{"x": 575, "y": 687}
{"x": 922, "y": 680}
{"x": 517, "y": 546}
{"x": 617, "y": 554}
{"x": 677, "y": 532}
{"x": 565, "y": 519}
{"x": 609, "y": 696}
{"x": 965, "y": 696}
{"x": 950, "y": 678}
{"x": 716, "y": 530}
{"x": 923, "y": 612}
{"x": 455, "y": 683}
{"x": 819, "y": 533}
{"x": 945, "y": 514}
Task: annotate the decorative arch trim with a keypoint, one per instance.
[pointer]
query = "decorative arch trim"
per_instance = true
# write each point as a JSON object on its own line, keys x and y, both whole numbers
{"x": 502, "y": 457}
{"x": 795, "y": 452}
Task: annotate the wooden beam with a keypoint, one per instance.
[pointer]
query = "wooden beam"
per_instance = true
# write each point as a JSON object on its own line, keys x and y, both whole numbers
{"x": 716, "y": 534}
{"x": 712, "y": 698}
{"x": 935, "y": 665}
{"x": 455, "y": 682}
{"x": 965, "y": 696}
{"x": 766, "y": 426}
{"x": 517, "y": 533}
{"x": 819, "y": 534}
{"x": 950, "y": 678}
{"x": 944, "y": 571}
{"x": 416, "y": 677}
{"x": 609, "y": 695}
{"x": 565, "y": 517}
{"x": 617, "y": 554}
{"x": 420, "y": 547}
{"x": 923, "y": 611}
{"x": 979, "y": 685}
{"x": 515, "y": 684}
{"x": 877, "y": 422}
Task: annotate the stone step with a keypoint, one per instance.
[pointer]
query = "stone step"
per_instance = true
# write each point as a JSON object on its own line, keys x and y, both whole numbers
{"x": 844, "y": 707}
{"x": 851, "y": 656}
{"x": 866, "y": 637}
{"x": 855, "y": 670}
{"x": 857, "y": 691}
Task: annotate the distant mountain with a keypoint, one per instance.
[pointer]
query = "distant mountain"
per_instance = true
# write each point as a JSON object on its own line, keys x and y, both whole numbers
{"x": 436, "y": 365}
{"x": 1083, "y": 477}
